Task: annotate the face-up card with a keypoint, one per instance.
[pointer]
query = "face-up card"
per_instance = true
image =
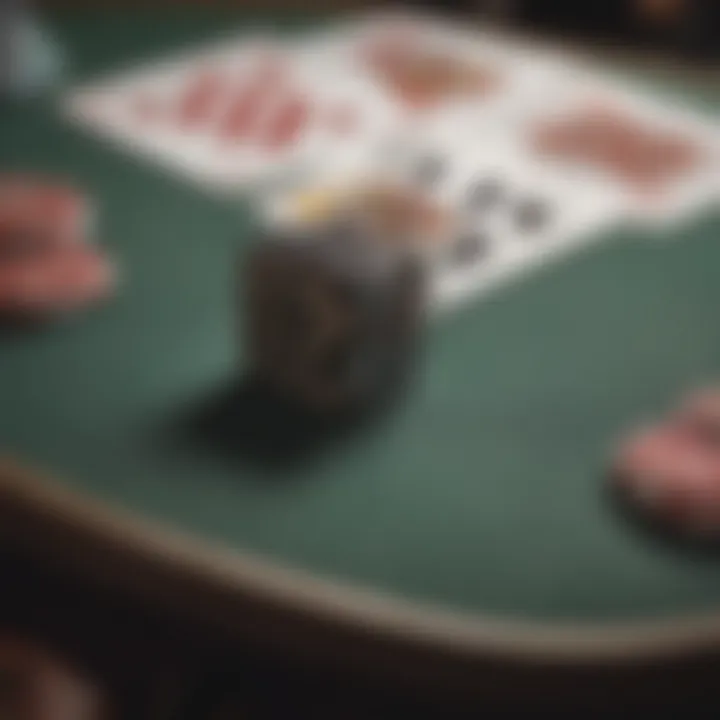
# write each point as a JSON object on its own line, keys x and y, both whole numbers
{"x": 662, "y": 159}
{"x": 507, "y": 214}
{"x": 513, "y": 214}
{"x": 427, "y": 66}
{"x": 352, "y": 119}
{"x": 235, "y": 115}
{"x": 168, "y": 110}
{"x": 666, "y": 161}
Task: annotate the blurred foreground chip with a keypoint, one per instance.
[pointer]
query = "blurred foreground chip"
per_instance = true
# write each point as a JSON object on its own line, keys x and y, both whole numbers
{"x": 49, "y": 263}
{"x": 35, "y": 685}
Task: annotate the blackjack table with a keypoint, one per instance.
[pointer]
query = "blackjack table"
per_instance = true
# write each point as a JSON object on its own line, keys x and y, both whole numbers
{"x": 466, "y": 531}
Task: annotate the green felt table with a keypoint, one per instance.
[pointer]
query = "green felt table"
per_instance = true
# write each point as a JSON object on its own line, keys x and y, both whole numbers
{"x": 470, "y": 520}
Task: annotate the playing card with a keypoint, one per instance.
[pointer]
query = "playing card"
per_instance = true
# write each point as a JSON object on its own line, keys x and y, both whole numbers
{"x": 662, "y": 158}
{"x": 513, "y": 213}
{"x": 370, "y": 96}
{"x": 234, "y": 115}
{"x": 172, "y": 110}
{"x": 428, "y": 66}
{"x": 352, "y": 118}
{"x": 686, "y": 150}
{"x": 665, "y": 160}
{"x": 510, "y": 214}
{"x": 515, "y": 218}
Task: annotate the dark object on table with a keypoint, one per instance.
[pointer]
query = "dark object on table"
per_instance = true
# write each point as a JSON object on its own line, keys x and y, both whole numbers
{"x": 333, "y": 320}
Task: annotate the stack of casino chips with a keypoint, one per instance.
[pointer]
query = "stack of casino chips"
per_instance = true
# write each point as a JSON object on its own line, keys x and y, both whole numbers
{"x": 335, "y": 302}
{"x": 49, "y": 263}
{"x": 670, "y": 470}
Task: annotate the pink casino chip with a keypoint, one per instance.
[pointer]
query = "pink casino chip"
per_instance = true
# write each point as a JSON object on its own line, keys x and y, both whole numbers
{"x": 58, "y": 211}
{"x": 672, "y": 474}
{"x": 62, "y": 280}
{"x": 47, "y": 260}
{"x": 700, "y": 410}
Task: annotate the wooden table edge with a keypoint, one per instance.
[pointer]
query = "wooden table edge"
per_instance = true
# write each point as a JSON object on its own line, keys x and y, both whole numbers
{"x": 252, "y": 597}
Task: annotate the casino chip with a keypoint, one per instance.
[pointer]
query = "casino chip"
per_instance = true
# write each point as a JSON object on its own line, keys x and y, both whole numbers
{"x": 35, "y": 685}
{"x": 671, "y": 474}
{"x": 700, "y": 411}
{"x": 48, "y": 263}
{"x": 58, "y": 281}
{"x": 59, "y": 211}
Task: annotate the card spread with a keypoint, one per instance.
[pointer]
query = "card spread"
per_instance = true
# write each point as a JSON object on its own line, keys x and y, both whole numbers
{"x": 510, "y": 215}
{"x": 534, "y": 157}
{"x": 230, "y": 118}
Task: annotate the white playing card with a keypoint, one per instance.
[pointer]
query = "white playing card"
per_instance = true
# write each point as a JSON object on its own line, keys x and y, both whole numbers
{"x": 656, "y": 201}
{"x": 256, "y": 113}
{"x": 512, "y": 73}
{"x": 512, "y": 215}
{"x": 541, "y": 220}
{"x": 353, "y": 117}
{"x": 137, "y": 107}
{"x": 697, "y": 188}
{"x": 540, "y": 82}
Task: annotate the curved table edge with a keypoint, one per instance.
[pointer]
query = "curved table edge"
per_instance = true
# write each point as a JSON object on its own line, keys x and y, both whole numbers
{"x": 247, "y": 594}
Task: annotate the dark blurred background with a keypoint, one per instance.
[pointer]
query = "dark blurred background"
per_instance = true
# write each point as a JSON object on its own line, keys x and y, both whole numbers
{"x": 689, "y": 28}
{"x": 686, "y": 27}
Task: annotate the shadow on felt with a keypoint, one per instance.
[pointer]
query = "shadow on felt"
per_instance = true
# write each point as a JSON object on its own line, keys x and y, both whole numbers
{"x": 246, "y": 420}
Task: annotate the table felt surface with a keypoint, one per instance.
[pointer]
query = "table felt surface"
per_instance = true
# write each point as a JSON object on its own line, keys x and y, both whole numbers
{"x": 481, "y": 492}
